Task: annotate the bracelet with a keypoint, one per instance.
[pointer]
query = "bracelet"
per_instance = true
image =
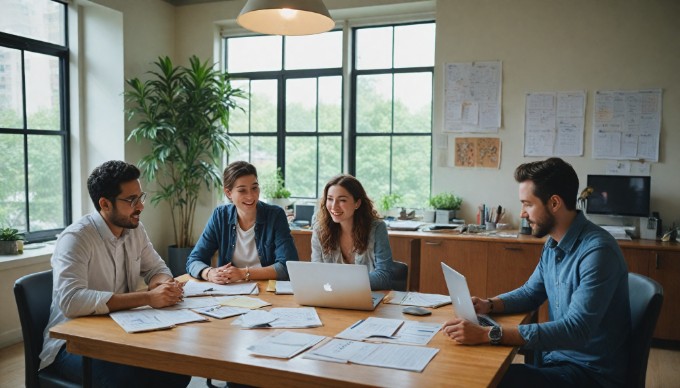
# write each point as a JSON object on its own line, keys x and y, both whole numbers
{"x": 490, "y": 304}
{"x": 207, "y": 274}
{"x": 247, "y": 273}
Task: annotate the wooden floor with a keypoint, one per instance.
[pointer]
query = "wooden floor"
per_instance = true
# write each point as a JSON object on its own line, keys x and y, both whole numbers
{"x": 662, "y": 369}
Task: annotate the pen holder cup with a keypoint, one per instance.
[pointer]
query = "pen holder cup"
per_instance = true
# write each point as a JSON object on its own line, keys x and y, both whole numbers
{"x": 490, "y": 225}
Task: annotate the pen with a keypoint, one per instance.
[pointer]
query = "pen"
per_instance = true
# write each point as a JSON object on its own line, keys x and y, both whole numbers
{"x": 208, "y": 289}
{"x": 356, "y": 324}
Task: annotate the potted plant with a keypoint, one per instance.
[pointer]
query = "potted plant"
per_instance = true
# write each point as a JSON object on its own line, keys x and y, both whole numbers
{"x": 9, "y": 241}
{"x": 388, "y": 202}
{"x": 275, "y": 190}
{"x": 183, "y": 112}
{"x": 446, "y": 205}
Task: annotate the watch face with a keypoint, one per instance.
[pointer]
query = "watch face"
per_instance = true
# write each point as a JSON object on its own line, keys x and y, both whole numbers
{"x": 495, "y": 335}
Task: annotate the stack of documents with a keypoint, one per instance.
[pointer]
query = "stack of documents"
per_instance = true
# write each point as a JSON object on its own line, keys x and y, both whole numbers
{"x": 391, "y": 330}
{"x": 411, "y": 358}
{"x": 417, "y": 299}
{"x": 194, "y": 288}
{"x": 285, "y": 344}
{"x": 147, "y": 319}
{"x": 280, "y": 318}
{"x": 618, "y": 232}
{"x": 405, "y": 225}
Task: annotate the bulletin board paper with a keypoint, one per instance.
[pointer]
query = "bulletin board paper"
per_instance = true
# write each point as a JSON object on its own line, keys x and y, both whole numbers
{"x": 472, "y": 101}
{"x": 554, "y": 123}
{"x": 484, "y": 152}
{"x": 627, "y": 125}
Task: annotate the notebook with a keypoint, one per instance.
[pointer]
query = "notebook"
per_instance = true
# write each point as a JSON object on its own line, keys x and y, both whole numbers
{"x": 460, "y": 298}
{"x": 343, "y": 286}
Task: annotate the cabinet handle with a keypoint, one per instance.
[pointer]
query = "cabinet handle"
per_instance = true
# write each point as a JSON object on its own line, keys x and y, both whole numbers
{"x": 512, "y": 248}
{"x": 657, "y": 259}
{"x": 433, "y": 243}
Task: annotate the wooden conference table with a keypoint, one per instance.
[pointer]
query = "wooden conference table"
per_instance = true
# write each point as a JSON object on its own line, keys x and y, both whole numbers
{"x": 217, "y": 349}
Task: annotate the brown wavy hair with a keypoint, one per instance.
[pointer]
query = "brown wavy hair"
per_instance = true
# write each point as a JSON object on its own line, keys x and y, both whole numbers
{"x": 329, "y": 231}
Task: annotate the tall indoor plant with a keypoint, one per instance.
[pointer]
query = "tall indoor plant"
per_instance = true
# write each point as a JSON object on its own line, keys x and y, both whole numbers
{"x": 184, "y": 113}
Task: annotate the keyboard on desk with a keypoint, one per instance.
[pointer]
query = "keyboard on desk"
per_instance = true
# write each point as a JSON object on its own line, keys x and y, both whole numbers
{"x": 485, "y": 320}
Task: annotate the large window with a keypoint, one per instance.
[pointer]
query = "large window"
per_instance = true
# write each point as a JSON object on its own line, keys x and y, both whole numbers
{"x": 293, "y": 118}
{"x": 34, "y": 194}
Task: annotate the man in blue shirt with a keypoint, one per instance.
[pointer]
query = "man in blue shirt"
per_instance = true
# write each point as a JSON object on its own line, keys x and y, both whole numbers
{"x": 583, "y": 276}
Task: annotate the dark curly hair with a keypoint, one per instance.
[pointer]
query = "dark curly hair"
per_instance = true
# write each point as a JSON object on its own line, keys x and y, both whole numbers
{"x": 329, "y": 231}
{"x": 105, "y": 180}
{"x": 552, "y": 176}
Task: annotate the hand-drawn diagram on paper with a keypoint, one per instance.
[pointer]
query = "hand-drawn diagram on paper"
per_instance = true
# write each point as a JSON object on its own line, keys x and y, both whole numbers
{"x": 482, "y": 152}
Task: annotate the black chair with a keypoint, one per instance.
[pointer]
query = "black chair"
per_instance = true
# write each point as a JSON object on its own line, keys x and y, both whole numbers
{"x": 33, "y": 294}
{"x": 646, "y": 297}
{"x": 399, "y": 275}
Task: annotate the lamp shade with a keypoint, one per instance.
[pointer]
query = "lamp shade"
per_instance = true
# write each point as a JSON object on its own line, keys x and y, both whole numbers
{"x": 285, "y": 17}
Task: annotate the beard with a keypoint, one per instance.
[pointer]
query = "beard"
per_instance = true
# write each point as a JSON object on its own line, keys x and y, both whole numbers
{"x": 123, "y": 221}
{"x": 544, "y": 226}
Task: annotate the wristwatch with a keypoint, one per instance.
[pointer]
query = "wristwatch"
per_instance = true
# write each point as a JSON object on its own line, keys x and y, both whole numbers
{"x": 495, "y": 335}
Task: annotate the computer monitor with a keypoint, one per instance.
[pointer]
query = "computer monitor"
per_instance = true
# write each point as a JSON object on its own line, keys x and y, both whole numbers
{"x": 304, "y": 213}
{"x": 619, "y": 195}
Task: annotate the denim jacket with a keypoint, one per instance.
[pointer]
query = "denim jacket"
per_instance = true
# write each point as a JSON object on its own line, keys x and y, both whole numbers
{"x": 273, "y": 241}
{"x": 585, "y": 279}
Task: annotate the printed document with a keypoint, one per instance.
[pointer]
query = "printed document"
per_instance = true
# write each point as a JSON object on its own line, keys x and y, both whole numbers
{"x": 243, "y": 301}
{"x": 221, "y": 312}
{"x": 404, "y": 357}
{"x": 280, "y": 318}
{"x": 371, "y": 327}
{"x": 194, "y": 288}
{"x": 147, "y": 319}
{"x": 417, "y": 299}
{"x": 285, "y": 344}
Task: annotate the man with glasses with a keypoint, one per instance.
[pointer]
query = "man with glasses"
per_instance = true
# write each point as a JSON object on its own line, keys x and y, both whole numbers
{"x": 97, "y": 264}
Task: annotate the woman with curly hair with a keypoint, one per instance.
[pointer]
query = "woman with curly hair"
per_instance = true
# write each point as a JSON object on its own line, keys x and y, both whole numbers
{"x": 348, "y": 230}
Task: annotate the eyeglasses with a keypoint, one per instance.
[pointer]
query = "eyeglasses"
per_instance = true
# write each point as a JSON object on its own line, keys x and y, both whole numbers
{"x": 134, "y": 201}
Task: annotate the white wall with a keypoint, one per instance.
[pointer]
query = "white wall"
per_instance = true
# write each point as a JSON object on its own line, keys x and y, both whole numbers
{"x": 561, "y": 46}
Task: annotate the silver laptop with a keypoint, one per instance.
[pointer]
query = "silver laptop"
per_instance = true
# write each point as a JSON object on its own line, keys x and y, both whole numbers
{"x": 343, "y": 286}
{"x": 460, "y": 298}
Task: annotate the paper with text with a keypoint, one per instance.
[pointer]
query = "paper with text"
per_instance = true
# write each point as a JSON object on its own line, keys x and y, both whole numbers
{"x": 285, "y": 344}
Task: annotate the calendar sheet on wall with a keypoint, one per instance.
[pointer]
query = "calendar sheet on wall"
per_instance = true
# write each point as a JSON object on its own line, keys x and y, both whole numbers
{"x": 472, "y": 101}
{"x": 627, "y": 125}
{"x": 554, "y": 123}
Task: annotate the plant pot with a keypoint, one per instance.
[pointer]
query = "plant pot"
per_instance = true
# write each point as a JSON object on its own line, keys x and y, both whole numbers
{"x": 429, "y": 215}
{"x": 444, "y": 216}
{"x": 8, "y": 247}
{"x": 177, "y": 259}
{"x": 282, "y": 202}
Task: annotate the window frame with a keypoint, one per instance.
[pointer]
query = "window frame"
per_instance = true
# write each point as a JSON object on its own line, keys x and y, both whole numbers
{"x": 61, "y": 53}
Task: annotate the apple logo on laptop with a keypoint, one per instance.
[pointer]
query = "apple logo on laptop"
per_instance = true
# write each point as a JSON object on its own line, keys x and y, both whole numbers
{"x": 327, "y": 287}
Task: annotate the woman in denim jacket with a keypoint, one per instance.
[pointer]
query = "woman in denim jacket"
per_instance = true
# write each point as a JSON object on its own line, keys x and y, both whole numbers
{"x": 348, "y": 230}
{"x": 252, "y": 238}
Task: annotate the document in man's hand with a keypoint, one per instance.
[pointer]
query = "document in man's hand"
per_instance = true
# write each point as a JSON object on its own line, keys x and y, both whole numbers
{"x": 194, "y": 288}
{"x": 284, "y": 344}
{"x": 417, "y": 299}
{"x": 405, "y": 357}
{"x": 147, "y": 319}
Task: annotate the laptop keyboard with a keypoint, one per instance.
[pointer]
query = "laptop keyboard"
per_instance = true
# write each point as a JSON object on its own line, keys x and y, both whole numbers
{"x": 486, "y": 321}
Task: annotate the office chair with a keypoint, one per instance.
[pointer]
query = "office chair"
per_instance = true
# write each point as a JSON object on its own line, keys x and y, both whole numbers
{"x": 33, "y": 294}
{"x": 646, "y": 297}
{"x": 399, "y": 275}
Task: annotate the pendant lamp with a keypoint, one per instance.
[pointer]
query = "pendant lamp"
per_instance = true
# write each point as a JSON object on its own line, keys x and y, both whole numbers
{"x": 286, "y": 17}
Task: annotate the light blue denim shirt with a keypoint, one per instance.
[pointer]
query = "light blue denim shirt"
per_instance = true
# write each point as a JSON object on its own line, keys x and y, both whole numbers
{"x": 273, "y": 240}
{"x": 377, "y": 257}
{"x": 585, "y": 279}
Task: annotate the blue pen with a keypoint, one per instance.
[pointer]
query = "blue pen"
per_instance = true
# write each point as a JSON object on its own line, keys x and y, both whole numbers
{"x": 208, "y": 289}
{"x": 356, "y": 324}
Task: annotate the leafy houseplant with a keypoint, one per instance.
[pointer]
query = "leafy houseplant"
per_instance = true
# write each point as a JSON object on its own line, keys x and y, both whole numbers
{"x": 8, "y": 241}
{"x": 446, "y": 205}
{"x": 275, "y": 190}
{"x": 184, "y": 113}
{"x": 388, "y": 201}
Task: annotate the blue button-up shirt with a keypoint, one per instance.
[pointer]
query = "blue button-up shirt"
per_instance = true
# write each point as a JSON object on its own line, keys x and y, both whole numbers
{"x": 585, "y": 279}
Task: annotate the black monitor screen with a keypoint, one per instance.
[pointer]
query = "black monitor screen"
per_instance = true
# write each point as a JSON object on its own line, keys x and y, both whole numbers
{"x": 619, "y": 195}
